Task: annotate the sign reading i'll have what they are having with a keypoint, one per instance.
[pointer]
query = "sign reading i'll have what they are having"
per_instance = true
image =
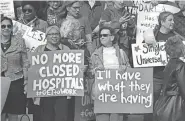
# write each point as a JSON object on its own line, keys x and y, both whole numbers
{"x": 124, "y": 92}
{"x": 148, "y": 55}
{"x": 56, "y": 73}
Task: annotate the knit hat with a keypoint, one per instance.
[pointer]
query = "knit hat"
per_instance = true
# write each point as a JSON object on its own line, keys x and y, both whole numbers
{"x": 52, "y": 27}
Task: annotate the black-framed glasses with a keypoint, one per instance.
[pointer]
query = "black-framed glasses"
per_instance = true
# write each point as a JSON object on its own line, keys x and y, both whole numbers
{"x": 53, "y": 34}
{"x": 104, "y": 35}
{"x": 6, "y": 26}
{"x": 29, "y": 10}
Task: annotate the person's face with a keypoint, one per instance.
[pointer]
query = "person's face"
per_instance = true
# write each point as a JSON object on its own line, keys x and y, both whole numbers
{"x": 53, "y": 37}
{"x": 168, "y": 23}
{"x": 55, "y": 4}
{"x": 106, "y": 38}
{"x": 29, "y": 12}
{"x": 6, "y": 28}
{"x": 119, "y": 4}
{"x": 182, "y": 5}
{"x": 74, "y": 9}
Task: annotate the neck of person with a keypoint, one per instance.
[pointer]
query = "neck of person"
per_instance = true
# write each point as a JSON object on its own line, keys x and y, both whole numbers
{"x": 164, "y": 30}
{"x": 29, "y": 20}
{"x": 109, "y": 45}
{"x": 5, "y": 39}
{"x": 52, "y": 46}
{"x": 70, "y": 16}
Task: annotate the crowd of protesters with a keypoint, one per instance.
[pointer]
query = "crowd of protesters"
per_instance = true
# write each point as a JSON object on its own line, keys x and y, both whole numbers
{"x": 105, "y": 31}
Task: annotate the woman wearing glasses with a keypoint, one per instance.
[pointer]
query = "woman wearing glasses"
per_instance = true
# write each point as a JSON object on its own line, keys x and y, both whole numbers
{"x": 29, "y": 18}
{"x": 14, "y": 65}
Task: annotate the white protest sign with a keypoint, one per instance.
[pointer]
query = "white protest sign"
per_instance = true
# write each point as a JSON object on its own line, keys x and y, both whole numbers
{"x": 33, "y": 39}
{"x": 145, "y": 21}
{"x": 19, "y": 28}
{"x": 149, "y": 56}
{"x": 7, "y": 8}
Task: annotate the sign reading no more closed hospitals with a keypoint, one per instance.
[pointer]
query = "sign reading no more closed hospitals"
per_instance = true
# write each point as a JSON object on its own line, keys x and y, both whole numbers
{"x": 56, "y": 73}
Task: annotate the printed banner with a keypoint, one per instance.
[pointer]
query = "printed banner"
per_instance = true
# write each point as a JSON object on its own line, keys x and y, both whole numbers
{"x": 148, "y": 55}
{"x": 7, "y": 8}
{"x": 124, "y": 92}
{"x": 84, "y": 107}
{"x": 56, "y": 73}
{"x": 33, "y": 39}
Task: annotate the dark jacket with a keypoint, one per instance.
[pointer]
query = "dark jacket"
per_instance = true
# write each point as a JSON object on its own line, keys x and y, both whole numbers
{"x": 174, "y": 74}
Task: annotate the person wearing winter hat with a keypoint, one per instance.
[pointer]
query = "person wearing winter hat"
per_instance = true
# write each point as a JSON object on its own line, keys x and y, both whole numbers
{"x": 53, "y": 108}
{"x": 29, "y": 18}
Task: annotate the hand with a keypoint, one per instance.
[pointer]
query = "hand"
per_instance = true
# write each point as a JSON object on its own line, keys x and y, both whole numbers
{"x": 97, "y": 68}
{"x": 25, "y": 89}
{"x": 68, "y": 97}
{"x": 123, "y": 68}
{"x": 154, "y": 2}
{"x": 84, "y": 68}
{"x": 124, "y": 18}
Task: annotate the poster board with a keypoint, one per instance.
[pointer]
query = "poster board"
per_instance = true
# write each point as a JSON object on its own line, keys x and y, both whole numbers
{"x": 124, "y": 92}
{"x": 56, "y": 73}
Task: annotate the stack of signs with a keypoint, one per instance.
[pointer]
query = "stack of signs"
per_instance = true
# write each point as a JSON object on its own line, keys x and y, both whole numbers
{"x": 56, "y": 73}
{"x": 124, "y": 92}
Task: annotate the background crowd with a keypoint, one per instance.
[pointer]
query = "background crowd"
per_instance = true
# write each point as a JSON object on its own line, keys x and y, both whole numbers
{"x": 105, "y": 31}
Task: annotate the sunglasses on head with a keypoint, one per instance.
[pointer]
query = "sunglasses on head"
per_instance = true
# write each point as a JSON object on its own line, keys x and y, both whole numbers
{"x": 4, "y": 26}
{"x": 104, "y": 35}
{"x": 29, "y": 10}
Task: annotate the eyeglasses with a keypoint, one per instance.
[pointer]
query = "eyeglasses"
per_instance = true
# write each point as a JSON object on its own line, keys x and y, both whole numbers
{"x": 53, "y": 34}
{"x": 104, "y": 35}
{"x": 6, "y": 26}
{"x": 29, "y": 10}
{"x": 76, "y": 8}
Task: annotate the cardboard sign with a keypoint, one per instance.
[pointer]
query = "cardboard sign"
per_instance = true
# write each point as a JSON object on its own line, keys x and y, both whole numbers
{"x": 19, "y": 28}
{"x": 149, "y": 56}
{"x": 84, "y": 107}
{"x": 33, "y": 39}
{"x": 5, "y": 85}
{"x": 7, "y": 8}
{"x": 145, "y": 21}
{"x": 56, "y": 73}
{"x": 124, "y": 92}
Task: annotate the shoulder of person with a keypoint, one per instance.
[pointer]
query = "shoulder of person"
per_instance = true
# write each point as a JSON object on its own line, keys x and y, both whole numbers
{"x": 65, "y": 47}
{"x": 40, "y": 48}
{"x": 42, "y": 22}
{"x": 97, "y": 51}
